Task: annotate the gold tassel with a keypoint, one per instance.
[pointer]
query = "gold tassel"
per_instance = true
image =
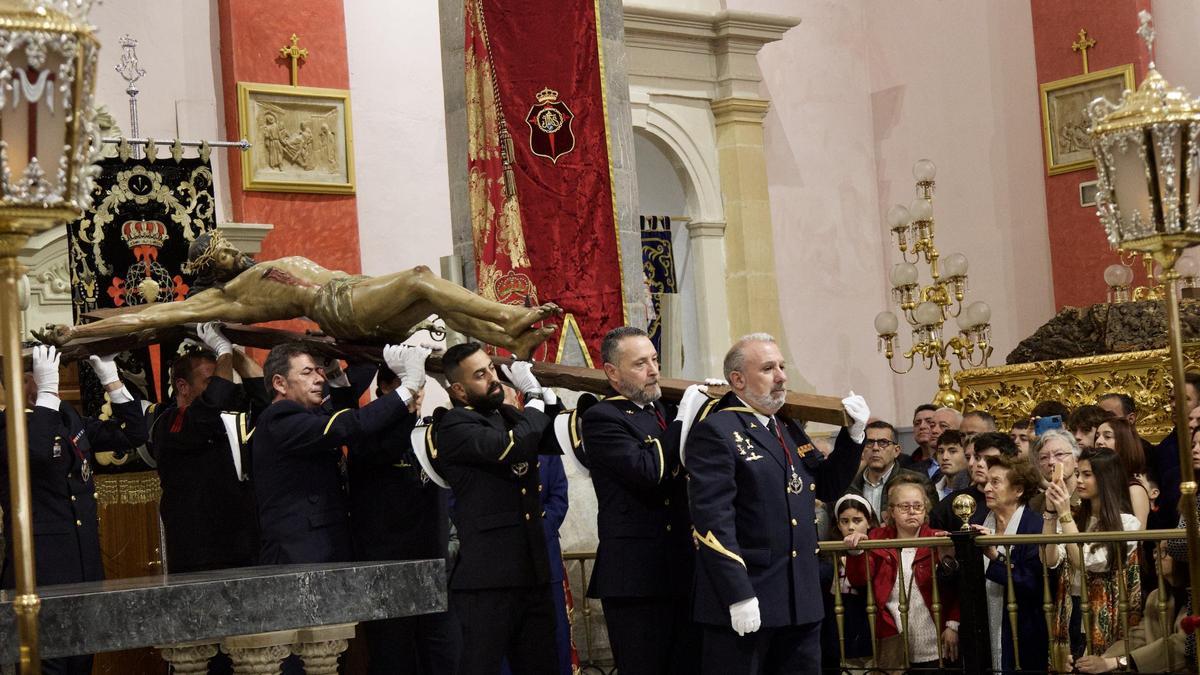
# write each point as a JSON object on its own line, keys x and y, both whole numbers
{"x": 506, "y": 156}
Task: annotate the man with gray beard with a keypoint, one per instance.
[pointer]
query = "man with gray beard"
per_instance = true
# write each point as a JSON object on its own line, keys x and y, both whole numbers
{"x": 643, "y": 572}
{"x": 752, "y": 491}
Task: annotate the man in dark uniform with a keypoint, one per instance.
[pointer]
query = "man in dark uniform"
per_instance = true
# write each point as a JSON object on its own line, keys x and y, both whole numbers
{"x": 488, "y": 453}
{"x": 296, "y": 458}
{"x": 398, "y": 513}
{"x": 66, "y": 532}
{"x": 752, "y": 496}
{"x": 643, "y": 571}
{"x": 207, "y": 504}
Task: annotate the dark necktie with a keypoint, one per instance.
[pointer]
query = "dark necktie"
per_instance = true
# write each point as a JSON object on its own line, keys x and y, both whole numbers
{"x": 662, "y": 421}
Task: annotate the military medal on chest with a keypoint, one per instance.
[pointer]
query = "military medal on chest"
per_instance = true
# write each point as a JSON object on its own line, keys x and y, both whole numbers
{"x": 795, "y": 483}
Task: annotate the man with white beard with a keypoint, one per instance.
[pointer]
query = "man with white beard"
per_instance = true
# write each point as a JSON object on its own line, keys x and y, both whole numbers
{"x": 752, "y": 492}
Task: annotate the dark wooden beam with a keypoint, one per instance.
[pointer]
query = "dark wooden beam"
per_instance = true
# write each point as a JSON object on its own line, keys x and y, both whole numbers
{"x": 807, "y": 407}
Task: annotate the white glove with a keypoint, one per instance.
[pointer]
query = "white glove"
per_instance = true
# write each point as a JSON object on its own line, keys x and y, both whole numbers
{"x": 45, "y": 369}
{"x": 856, "y": 407}
{"x": 521, "y": 376}
{"x": 715, "y": 382}
{"x": 744, "y": 616}
{"x": 212, "y": 336}
{"x": 549, "y": 396}
{"x": 105, "y": 368}
{"x": 408, "y": 363}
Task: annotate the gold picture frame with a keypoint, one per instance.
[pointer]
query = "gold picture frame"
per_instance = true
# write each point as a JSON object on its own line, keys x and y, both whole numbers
{"x": 1064, "y": 124}
{"x": 301, "y": 139}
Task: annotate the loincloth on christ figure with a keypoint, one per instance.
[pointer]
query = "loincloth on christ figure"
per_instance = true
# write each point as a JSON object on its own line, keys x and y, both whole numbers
{"x": 333, "y": 309}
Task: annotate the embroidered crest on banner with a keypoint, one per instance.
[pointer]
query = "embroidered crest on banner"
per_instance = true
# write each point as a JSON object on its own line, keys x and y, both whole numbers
{"x": 549, "y": 123}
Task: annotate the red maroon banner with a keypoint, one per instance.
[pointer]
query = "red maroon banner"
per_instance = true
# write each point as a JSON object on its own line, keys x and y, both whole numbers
{"x": 541, "y": 186}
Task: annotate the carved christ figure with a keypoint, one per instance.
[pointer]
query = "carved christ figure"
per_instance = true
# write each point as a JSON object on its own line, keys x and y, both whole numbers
{"x": 346, "y": 307}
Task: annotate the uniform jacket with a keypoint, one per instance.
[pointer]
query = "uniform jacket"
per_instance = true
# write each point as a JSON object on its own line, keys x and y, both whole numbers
{"x": 554, "y": 503}
{"x": 754, "y": 537}
{"x": 207, "y": 511}
{"x": 884, "y": 565}
{"x": 297, "y": 452}
{"x": 66, "y": 534}
{"x": 396, "y": 512}
{"x": 645, "y": 547}
{"x": 1027, "y": 587}
{"x": 491, "y": 463}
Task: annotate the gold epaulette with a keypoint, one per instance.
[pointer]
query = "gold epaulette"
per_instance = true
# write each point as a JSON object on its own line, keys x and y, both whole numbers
{"x": 429, "y": 445}
{"x": 245, "y": 431}
{"x": 707, "y": 408}
{"x": 573, "y": 428}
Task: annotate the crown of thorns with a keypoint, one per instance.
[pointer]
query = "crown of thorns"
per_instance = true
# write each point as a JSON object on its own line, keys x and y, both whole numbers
{"x": 216, "y": 242}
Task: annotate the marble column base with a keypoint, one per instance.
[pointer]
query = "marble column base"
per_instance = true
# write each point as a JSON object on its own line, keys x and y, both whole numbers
{"x": 260, "y": 653}
{"x": 320, "y": 646}
{"x": 189, "y": 658}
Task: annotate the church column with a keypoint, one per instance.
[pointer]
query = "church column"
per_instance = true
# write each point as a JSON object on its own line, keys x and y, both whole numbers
{"x": 189, "y": 657}
{"x": 320, "y": 646}
{"x": 260, "y": 653}
{"x": 753, "y": 294}
{"x": 707, "y": 256}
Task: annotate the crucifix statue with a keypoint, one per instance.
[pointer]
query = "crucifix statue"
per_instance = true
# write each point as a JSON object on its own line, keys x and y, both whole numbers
{"x": 295, "y": 53}
{"x": 1082, "y": 45}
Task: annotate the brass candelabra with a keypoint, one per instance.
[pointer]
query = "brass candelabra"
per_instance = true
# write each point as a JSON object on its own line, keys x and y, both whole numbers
{"x": 928, "y": 307}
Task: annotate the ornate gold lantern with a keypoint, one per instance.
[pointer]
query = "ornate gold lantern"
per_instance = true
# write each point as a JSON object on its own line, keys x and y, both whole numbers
{"x": 1147, "y": 150}
{"x": 47, "y": 151}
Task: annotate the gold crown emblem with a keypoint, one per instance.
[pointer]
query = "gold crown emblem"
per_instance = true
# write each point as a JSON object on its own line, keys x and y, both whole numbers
{"x": 144, "y": 233}
{"x": 547, "y": 95}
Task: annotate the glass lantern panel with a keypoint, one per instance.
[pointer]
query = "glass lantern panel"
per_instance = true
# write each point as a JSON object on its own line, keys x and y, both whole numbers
{"x": 1168, "y": 156}
{"x": 1190, "y": 200}
{"x": 35, "y": 118}
{"x": 1131, "y": 186}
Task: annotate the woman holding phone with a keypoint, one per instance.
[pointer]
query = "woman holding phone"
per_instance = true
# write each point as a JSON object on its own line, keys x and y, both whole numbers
{"x": 1092, "y": 568}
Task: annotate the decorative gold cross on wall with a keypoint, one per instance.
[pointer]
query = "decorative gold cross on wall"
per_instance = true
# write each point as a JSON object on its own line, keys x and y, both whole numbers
{"x": 1082, "y": 45}
{"x": 295, "y": 53}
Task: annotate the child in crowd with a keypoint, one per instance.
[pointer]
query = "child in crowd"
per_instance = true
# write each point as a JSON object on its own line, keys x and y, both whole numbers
{"x": 854, "y": 515}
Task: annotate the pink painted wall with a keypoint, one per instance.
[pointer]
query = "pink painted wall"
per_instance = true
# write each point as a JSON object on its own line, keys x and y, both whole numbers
{"x": 860, "y": 91}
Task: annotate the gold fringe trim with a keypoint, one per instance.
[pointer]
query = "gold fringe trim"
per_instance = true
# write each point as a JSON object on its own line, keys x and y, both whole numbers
{"x": 128, "y": 488}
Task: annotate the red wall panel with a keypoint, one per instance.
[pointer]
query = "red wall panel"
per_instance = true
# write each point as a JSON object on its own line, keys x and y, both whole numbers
{"x": 1079, "y": 251}
{"x": 321, "y": 227}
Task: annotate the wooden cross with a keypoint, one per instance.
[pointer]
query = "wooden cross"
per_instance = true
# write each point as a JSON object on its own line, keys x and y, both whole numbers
{"x": 1083, "y": 44}
{"x": 295, "y": 53}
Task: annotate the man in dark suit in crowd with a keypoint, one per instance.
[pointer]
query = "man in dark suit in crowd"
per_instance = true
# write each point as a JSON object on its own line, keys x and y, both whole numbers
{"x": 197, "y": 440}
{"x": 644, "y": 561}
{"x": 488, "y": 452}
{"x": 752, "y": 496}
{"x": 66, "y": 545}
{"x": 398, "y": 513}
{"x": 302, "y": 511}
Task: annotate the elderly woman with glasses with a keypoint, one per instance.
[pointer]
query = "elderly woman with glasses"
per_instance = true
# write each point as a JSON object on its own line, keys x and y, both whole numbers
{"x": 1012, "y": 481}
{"x": 908, "y": 506}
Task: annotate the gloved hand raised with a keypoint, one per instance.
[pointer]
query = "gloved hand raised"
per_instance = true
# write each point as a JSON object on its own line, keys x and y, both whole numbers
{"x": 521, "y": 376}
{"x": 45, "y": 369}
{"x": 856, "y": 407}
{"x": 744, "y": 616}
{"x": 105, "y": 368}
{"x": 408, "y": 363}
{"x": 214, "y": 339}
